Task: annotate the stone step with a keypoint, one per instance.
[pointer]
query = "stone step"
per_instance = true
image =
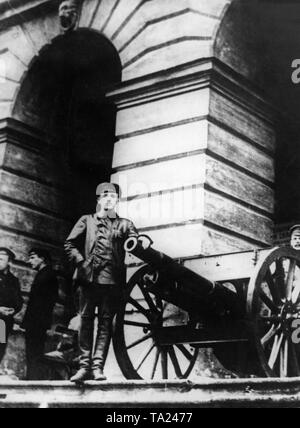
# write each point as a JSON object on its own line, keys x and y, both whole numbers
{"x": 140, "y": 394}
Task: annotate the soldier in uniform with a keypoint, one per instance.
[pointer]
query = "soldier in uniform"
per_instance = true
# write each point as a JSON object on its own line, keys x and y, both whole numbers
{"x": 11, "y": 300}
{"x": 96, "y": 247}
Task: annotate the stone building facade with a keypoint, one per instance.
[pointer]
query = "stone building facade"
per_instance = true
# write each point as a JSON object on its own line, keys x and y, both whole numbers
{"x": 188, "y": 104}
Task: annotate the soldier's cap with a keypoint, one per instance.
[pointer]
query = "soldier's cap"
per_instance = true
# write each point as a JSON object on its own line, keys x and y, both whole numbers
{"x": 108, "y": 188}
{"x": 72, "y": 2}
{"x": 41, "y": 253}
{"x": 293, "y": 228}
{"x": 7, "y": 252}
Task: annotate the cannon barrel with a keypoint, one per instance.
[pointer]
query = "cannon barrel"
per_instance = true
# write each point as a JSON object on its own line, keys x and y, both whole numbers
{"x": 196, "y": 287}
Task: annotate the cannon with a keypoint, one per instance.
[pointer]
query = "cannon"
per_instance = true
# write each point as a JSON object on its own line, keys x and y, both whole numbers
{"x": 243, "y": 307}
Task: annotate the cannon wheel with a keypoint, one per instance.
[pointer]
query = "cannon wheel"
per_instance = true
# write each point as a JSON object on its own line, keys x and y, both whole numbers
{"x": 273, "y": 307}
{"x": 137, "y": 351}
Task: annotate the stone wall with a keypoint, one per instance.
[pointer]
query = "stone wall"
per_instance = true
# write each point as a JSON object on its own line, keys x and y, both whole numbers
{"x": 195, "y": 134}
{"x": 195, "y": 153}
{"x": 32, "y": 202}
{"x": 183, "y": 123}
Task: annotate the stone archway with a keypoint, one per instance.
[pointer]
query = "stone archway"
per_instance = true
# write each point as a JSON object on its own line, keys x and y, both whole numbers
{"x": 64, "y": 134}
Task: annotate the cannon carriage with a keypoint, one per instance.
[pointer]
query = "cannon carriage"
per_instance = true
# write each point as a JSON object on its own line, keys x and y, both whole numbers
{"x": 244, "y": 306}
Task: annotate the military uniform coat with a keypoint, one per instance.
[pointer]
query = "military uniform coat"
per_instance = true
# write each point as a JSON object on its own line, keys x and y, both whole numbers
{"x": 81, "y": 243}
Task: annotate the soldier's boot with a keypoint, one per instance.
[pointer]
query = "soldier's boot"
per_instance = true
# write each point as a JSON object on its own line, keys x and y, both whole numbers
{"x": 98, "y": 375}
{"x": 85, "y": 347}
{"x": 81, "y": 376}
{"x": 101, "y": 349}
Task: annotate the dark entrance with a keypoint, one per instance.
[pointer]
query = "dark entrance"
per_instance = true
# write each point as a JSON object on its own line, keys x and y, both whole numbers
{"x": 63, "y": 95}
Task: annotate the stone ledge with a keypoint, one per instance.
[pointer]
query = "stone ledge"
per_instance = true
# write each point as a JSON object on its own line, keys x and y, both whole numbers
{"x": 139, "y": 394}
{"x": 203, "y": 73}
{"x": 15, "y": 132}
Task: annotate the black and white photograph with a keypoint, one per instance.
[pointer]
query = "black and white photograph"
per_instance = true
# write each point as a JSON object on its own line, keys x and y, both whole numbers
{"x": 149, "y": 206}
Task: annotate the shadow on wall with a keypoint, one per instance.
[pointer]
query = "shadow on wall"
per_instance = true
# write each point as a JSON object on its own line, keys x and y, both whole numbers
{"x": 260, "y": 39}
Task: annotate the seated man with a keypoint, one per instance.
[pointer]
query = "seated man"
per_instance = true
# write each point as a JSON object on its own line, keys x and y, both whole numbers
{"x": 64, "y": 360}
{"x": 11, "y": 300}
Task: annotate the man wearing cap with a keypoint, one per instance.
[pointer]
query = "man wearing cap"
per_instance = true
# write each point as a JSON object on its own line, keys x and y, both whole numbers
{"x": 11, "y": 300}
{"x": 38, "y": 316}
{"x": 295, "y": 245}
{"x": 96, "y": 247}
{"x": 295, "y": 237}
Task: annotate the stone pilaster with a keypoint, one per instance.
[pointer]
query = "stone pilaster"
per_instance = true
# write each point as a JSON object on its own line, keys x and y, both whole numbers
{"x": 195, "y": 156}
{"x": 32, "y": 194}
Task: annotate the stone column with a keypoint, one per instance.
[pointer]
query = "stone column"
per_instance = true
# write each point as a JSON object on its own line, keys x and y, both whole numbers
{"x": 32, "y": 194}
{"x": 195, "y": 158}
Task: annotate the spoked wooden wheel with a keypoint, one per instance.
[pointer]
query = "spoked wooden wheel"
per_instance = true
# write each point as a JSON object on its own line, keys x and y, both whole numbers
{"x": 273, "y": 306}
{"x": 136, "y": 342}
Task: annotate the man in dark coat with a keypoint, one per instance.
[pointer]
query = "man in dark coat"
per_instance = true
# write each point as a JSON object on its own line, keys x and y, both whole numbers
{"x": 38, "y": 316}
{"x": 11, "y": 300}
{"x": 96, "y": 247}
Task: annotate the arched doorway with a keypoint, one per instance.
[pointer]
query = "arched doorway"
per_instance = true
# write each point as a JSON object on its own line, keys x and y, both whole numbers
{"x": 63, "y": 95}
